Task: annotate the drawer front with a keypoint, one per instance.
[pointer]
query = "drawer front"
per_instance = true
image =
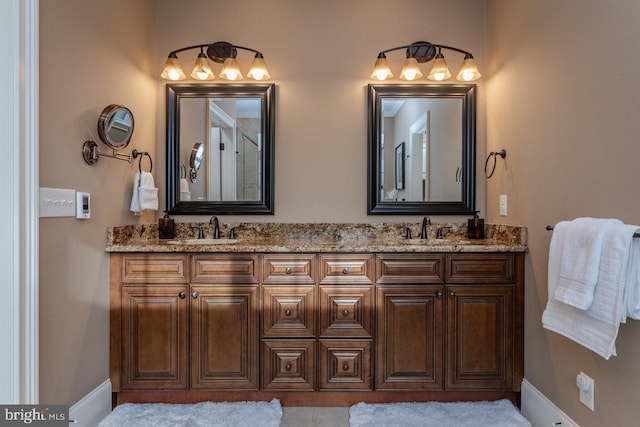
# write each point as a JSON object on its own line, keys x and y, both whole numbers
{"x": 154, "y": 268}
{"x": 345, "y": 365}
{"x": 480, "y": 268}
{"x": 225, "y": 269}
{"x": 346, "y": 311}
{"x": 288, "y": 365}
{"x": 288, "y": 311}
{"x": 283, "y": 269}
{"x": 409, "y": 268}
{"x": 345, "y": 268}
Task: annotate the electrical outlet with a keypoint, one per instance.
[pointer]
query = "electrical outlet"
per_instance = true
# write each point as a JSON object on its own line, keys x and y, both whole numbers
{"x": 503, "y": 205}
{"x": 586, "y": 385}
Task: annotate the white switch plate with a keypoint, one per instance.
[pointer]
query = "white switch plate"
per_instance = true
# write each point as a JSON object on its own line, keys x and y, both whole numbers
{"x": 57, "y": 202}
{"x": 503, "y": 205}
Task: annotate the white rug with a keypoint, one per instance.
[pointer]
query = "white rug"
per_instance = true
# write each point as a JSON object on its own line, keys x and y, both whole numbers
{"x": 204, "y": 414}
{"x": 500, "y": 413}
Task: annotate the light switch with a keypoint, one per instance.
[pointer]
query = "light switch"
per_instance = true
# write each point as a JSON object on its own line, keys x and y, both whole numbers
{"x": 57, "y": 202}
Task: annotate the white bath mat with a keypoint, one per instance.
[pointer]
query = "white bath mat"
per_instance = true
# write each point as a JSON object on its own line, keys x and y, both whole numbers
{"x": 500, "y": 413}
{"x": 204, "y": 414}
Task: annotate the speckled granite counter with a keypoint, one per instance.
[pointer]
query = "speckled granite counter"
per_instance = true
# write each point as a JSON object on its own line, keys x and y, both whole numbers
{"x": 317, "y": 237}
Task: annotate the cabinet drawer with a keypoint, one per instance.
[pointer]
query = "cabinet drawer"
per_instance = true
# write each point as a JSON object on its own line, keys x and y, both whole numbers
{"x": 346, "y": 311}
{"x": 409, "y": 268}
{"x": 345, "y": 268}
{"x": 288, "y": 365}
{"x": 345, "y": 365}
{"x": 289, "y": 269}
{"x": 156, "y": 269}
{"x": 225, "y": 269}
{"x": 288, "y": 311}
{"x": 480, "y": 268}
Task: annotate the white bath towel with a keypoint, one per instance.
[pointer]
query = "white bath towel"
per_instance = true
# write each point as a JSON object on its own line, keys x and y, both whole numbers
{"x": 597, "y": 327}
{"x": 185, "y": 194}
{"x": 632, "y": 290}
{"x": 145, "y": 194}
{"x": 580, "y": 244}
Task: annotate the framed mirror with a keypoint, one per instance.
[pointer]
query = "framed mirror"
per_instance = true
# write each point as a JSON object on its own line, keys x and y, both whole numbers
{"x": 115, "y": 126}
{"x": 421, "y": 149}
{"x": 234, "y": 126}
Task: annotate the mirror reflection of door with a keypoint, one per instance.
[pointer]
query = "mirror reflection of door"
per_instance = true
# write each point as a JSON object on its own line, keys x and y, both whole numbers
{"x": 433, "y": 153}
{"x": 230, "y": 128}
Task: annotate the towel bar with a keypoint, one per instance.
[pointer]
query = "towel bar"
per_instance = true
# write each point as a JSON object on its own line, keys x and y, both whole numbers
{"x": 550, "y": 228}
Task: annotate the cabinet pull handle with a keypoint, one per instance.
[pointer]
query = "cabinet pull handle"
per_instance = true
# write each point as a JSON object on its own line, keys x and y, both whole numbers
{"x": 194, "y": 295}
{"x": 287, "y": 270}
{"x": 287, "y": 367}
{"x": 287, "y": 312}
{"x": 345, "y": 313}
{"x": 452, "y": 294}
{"x": 439, "y": 294}
{"x": 345, "y": 367}
{"x": 345, "y": 270}
{"x": 182, "y": 295}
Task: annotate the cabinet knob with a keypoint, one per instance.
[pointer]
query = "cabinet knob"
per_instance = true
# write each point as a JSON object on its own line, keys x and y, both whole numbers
{"x": 452, "y": 294}
{"x": 194, "y": 295}
{"x": 287, "y": 270}
{"x": 345, "y": 270}
{"x": 439, "y": 294}
{"x": 287, "y": 367}
{"x": 287, "y": 312}
{"x": 345, "y": 367}
{"x": 182, "y": 295}
{"x": 345, "y": 313}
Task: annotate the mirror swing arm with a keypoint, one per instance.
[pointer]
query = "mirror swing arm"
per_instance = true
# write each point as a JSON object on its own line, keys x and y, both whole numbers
{"x": 115, "y": 128}
{"x": 466, "y": 203}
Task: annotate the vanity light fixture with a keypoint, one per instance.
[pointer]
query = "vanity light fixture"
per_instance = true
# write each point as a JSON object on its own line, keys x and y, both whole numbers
{"x": 421, "y": 52}
{"x": 219, "y": 52}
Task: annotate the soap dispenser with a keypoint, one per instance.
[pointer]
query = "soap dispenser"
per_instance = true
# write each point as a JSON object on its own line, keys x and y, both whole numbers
{"x": 166, "y": 227}
{"x": 475, "y": 227}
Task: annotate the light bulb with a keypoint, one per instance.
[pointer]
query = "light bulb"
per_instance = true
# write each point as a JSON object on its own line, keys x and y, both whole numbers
{"x": 174, "y": 75}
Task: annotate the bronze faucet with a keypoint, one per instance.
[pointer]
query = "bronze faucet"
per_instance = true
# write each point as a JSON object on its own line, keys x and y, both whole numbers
{"x": 425, "y": 221}
{"x": 216, "y": 227}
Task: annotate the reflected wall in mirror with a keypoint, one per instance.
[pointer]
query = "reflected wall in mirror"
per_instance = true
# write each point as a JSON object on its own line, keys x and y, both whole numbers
{"x": 421, "y": 149}
{"x": 234, "y": 127}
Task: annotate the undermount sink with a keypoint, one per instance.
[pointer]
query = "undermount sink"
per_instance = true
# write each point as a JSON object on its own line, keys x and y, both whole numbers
{"x": 202, "y": 242}
{"x": 437, "y": 242}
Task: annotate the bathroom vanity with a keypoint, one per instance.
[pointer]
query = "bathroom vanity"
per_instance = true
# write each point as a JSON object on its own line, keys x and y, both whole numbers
{"x": 316, "y": 315}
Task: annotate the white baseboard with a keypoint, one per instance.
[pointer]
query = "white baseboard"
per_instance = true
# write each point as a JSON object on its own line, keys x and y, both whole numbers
{"x": 540, "y": 411}
{"x": 92, "y": 408}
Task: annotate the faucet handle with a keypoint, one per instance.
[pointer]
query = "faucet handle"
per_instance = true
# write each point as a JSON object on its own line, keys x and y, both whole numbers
{"x": 232, "y": 233}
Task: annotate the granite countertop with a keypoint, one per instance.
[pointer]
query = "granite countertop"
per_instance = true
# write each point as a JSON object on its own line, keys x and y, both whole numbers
{"x": 316, "y": 237}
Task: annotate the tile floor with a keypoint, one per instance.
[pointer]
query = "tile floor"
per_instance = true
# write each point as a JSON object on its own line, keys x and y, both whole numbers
{"x": 314, "y": 417}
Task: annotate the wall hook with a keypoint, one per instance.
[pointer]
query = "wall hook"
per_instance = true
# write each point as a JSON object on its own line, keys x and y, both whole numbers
{"x": 502, "y": 153}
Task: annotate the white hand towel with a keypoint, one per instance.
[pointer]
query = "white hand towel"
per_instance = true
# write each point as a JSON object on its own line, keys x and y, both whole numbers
{"x": 597, "y": 327}
{"x": 632, "y": 290}
{"x": 184, "y": 185}
{"x": 580, "y": 243}
{"x": 145, "y": 195}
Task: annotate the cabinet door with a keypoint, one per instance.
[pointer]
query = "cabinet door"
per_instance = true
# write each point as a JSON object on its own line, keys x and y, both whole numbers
{"x": 480, "y": 343}
{"x": 409, "y": 337}
{"x": 224, "y": 337}
{"x": 154, "y": 337}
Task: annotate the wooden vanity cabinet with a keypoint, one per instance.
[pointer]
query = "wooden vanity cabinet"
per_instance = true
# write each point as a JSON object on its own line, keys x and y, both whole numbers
{"x": 341, "y": 327}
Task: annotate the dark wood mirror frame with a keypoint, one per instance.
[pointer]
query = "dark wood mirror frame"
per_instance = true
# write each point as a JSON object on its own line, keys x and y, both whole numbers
{"x": 266, "y": 94}
{"x": 466, "y": 204}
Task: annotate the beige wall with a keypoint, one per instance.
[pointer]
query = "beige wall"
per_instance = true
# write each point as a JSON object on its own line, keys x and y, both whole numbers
{"x": 563, "y": 101}
{"x": 92, "y": 53}
{"x": 320, "y": 54}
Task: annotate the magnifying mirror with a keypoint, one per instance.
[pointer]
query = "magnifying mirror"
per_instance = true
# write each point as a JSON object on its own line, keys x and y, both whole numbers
{"x": 197, "y": 152}
{"x": 115, "y": 126}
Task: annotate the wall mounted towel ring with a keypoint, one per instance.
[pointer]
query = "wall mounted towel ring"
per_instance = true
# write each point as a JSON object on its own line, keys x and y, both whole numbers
{"x": 502, "y": 153}
{"x": 141, "y": 154}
